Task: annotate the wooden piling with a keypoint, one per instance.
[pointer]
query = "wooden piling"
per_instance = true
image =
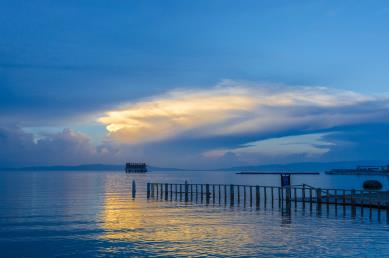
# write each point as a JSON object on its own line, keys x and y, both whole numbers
{"x": 133, "y": 189}
{"x": 318, "y": 195}
{"x": 288, "y": 194}
{"x": 207, "y": 193}
{"x": 213, "y": 194}
{"x": 161, "y": 191}
{"x": 327, "y": 197}
{"x": 257, "y": 196}
{"x": 295, "y": 194}
{"x": 166, "y": 191}
{"x": 219, "y": 194}
{"x": 191, "y": 192}
{"x": 171, "y": 192}
{"x": 244, "y": 196}
{"x": 352, "y": 200}
{"x": 238, "y": 189}
{"x": 232, "y": 195}
{"x": 186, "y": 191}
{"x": 148, "y": 190}
{"x": 225, "y": 194}
{"x": 201, "y": 193}
{"x": 180, "y": 192}
{"x": 251, "y": 196}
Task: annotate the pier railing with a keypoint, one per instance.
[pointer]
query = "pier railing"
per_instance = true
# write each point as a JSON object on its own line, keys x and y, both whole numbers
{"x": 255, "y": 195}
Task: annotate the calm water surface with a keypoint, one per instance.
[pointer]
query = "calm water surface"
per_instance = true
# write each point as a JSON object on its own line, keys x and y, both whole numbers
{"x": 92, "y": 214}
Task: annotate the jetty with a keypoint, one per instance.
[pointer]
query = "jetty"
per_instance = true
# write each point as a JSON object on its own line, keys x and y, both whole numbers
{"x": 260, "y": 195}
{"x": 132, "y": 167}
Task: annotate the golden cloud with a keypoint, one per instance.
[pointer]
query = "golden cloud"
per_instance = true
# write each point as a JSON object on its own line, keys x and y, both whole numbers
{"x": 228, "y": 108}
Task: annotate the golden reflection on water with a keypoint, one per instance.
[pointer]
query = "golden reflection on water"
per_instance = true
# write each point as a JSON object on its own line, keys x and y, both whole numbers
{"x": 185, "y": 229}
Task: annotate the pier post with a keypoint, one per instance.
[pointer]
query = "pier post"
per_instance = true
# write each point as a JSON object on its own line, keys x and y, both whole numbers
{"x": 171, "y": 192}
{"x": 288, "y": 194}
{"x": 318, "y": 195}
{"x": 180, "y": 192}
{"x": 257, "y": 196}
{"x": 370, "y": 205}
{"x": 186, "y": 190}
{"x": 232, "y": 195}
{"x": 319, "y": 201}
{"x": 161, "y": 191}
{"x": 295, "y": 194}
{"x": 133, "y": 189}
{"x": 191, "y": 192}
{"x": 148, "y": 190}
{"x": 352, "y": 200}
{"x": 327, "y": 197}
{"x": 265, "y": 195}
{"x": 156, "y": 192}
{"x": 272, "y": 196}
{"x": 220, "y": 192}
{"x": 213, "y": 194}
{"x": 176, "y": 193}
{"x": 225, "y": 194}
{"x": 244, "y": 196}
{"x": 166, "y": 191}
{"x": 238, "y": 188}
{"x": 207, "y": 193}
{"x": 303, "y": 194}
{"x": 197, "y": 192}
{"x": 251, "y": 196}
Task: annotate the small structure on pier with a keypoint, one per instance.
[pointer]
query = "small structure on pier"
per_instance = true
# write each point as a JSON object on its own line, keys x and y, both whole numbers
{"x": 132, "y": 167}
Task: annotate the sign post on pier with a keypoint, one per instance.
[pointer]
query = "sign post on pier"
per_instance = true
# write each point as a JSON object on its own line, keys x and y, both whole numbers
{"x": 285, "y": 180}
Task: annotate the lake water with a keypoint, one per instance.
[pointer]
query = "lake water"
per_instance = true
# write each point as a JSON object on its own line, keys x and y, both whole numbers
{"x": 92, "y": 214}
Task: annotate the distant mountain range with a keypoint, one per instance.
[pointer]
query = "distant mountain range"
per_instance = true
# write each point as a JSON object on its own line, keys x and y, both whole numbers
{"x": 291, "y": 167}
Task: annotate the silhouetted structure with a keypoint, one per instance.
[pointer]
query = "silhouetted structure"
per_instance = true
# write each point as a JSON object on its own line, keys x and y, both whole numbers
{"x": 136, "y": 168}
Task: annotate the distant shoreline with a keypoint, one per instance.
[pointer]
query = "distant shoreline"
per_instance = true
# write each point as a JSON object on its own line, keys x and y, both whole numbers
{"x": 277, "y": 173}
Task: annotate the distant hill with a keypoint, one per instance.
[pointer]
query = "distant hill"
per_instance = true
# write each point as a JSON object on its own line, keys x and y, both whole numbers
{"x": 307, "y": 166}
{"x": 291, "y": 167}
{"x": 85, "y": 167}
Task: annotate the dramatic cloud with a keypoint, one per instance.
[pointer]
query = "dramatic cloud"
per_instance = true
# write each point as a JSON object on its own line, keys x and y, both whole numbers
{"x": 65, "y": 147}
{"x": 308, "y": 145}
{"x": 233, "y": 108}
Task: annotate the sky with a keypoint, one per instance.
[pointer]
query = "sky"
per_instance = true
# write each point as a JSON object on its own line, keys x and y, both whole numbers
{"x": 193, "y": 84}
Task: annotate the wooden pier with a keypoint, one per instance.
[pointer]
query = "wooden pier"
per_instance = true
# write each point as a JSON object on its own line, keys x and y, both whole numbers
{"x": 258, "y": 195}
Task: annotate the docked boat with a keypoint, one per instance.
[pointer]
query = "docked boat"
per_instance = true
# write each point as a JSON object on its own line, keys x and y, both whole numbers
{"x": 361, "y": 170}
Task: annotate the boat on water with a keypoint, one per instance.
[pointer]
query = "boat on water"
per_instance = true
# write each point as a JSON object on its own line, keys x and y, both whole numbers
{"x": 361, "y": 170}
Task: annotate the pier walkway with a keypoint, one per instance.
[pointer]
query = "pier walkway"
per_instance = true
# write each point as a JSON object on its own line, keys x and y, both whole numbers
{"x": 255, "y": 195}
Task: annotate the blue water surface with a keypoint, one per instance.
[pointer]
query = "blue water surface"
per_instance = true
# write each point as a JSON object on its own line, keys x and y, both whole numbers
{"x": 93, "y": 214}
